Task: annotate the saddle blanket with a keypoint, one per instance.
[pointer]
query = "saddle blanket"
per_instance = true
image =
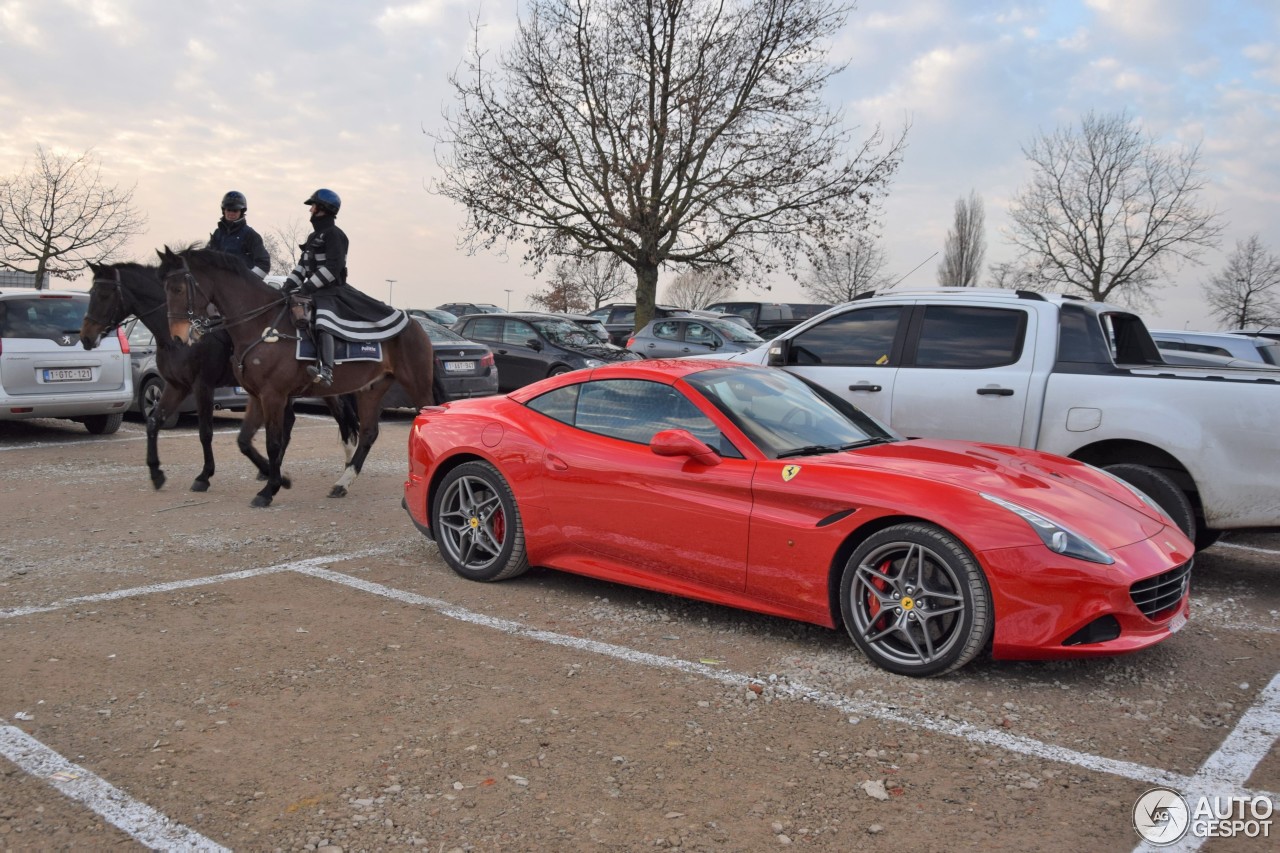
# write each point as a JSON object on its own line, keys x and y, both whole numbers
{"x": 343, "y": 351}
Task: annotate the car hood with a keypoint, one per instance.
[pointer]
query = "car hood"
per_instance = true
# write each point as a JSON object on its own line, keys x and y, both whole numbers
{"x": 1062, "y": 490}
{"x": 605, "y": 353}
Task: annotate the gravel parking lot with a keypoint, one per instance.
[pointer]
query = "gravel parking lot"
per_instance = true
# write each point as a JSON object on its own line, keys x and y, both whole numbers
{"x": 180, "y": 671}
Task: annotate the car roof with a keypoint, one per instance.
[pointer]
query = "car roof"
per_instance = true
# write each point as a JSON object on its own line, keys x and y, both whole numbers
{"x": 665, "y": 370}
{"x": 6, "y": 292}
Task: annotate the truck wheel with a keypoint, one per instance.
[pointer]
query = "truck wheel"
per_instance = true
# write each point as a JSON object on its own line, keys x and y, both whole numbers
{"x": 1160, "y": 489}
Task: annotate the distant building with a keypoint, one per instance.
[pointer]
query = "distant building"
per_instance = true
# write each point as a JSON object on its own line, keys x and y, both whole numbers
{"x": 13, "y": 278}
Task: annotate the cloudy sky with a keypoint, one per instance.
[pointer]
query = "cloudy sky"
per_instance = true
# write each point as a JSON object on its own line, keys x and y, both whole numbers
{"x": 188, "y": 99}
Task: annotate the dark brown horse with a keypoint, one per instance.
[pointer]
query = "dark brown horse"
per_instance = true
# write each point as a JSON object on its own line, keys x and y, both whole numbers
{"x": 206, "y": 288}
{"x": 121, "y": 291}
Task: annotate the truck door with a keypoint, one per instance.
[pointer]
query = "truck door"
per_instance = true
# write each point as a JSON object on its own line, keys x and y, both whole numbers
{"x": 855, "y": 354}
{"x": 965, "y": 374}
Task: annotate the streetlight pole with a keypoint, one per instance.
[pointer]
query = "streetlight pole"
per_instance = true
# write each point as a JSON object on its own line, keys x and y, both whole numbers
{"x": 508, "y": 290}
{"x": 391, "y": 283}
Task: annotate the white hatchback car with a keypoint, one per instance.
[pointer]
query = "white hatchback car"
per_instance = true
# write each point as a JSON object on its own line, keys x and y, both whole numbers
{"x": 45, "y": 372}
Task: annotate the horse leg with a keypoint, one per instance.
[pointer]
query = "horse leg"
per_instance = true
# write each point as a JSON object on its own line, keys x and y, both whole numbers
{"x": 273, "y": 412}
{"x": 169, "y": 401}
{"x": 204, "y": 412}
{"x": 248, "y": 429}
{"x": 344, "y": 414}
{"x": 370, "y": 410}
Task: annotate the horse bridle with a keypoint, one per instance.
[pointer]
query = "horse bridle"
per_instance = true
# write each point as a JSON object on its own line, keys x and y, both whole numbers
{"x": 202, "y": 325}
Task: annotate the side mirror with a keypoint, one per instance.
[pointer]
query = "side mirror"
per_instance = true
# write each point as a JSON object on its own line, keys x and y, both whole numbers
{"x": 777, "y": 356}
{"x": 534, "y": 344}
{"x": 714, "y": 343}
{"x": 680, "y": 442}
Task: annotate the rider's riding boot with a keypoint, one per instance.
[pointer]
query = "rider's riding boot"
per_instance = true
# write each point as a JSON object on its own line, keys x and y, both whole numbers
{"x": 322, "y": 371}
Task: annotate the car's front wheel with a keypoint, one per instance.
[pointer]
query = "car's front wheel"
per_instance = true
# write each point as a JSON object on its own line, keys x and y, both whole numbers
{"x": 103, "y": 424}
{"x": 477, "y": 524}
{"x": 915, "y": 601}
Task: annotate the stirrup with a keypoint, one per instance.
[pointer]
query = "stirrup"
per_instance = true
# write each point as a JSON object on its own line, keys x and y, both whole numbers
{"x": 321, "y": 375}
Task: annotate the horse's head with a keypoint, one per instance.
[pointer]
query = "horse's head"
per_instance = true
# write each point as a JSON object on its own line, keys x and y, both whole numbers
{"x": 106, "y": 305}
{"x": 191, "y": 311}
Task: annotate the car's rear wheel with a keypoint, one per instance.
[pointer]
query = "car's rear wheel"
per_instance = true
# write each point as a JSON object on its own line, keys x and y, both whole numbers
{"x": 560, "y": 370}
{"x": 103, "y": 424}
{"x": 915, "y": 601}
{"x": 149, "y": 398}
{"x": 477, "y": 524}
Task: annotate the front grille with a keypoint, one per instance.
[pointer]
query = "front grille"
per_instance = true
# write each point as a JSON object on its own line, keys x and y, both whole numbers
{"x": 1156, "y": 595}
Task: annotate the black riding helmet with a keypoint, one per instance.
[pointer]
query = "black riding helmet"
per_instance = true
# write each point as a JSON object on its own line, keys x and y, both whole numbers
{"x": 235, "y": 201}
{"x": 325, "y": 200}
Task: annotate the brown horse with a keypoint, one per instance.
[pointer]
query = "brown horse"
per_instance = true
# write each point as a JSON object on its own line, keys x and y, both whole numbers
{"x": 205, "y": 288}
{"x": 125, "y": 290}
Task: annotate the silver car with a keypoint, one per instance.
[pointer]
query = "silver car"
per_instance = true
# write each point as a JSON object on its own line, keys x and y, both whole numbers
{"x": 676, "y": 337}
{"x": 45, "y": 372}
{"x": 1225, "y": 344}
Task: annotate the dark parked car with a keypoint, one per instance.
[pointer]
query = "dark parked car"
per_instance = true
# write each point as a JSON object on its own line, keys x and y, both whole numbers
{"x": 458, "y": 309}
{"x": 438, "y": 315}
{"x": 148, "y": 384}
{"x": 529, "y": 346}
{"x": 45, "y": 372}
{"x": 619, "y": 318}
{"x": 675, "y": 337}
{"x": 466, "y": 368}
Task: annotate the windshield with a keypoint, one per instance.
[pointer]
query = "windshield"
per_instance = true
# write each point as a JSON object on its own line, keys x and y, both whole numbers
{"x": 565, "y": 334}
{"x": 736, "y": 333}
{"x": 437, "y": 332}
{"x": 784, "y": 415}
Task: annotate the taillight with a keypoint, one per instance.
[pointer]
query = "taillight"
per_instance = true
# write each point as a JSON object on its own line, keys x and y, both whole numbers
{"x": 631, "y": 340}
{"x": 487, "y": 361}
{"x": 124, "y": 341}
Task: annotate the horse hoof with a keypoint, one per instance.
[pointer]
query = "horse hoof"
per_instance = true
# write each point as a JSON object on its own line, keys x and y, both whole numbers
{"x": 157, "y": 480}
{"x": 262, "y": 478}
{"x": 260, "y": 501}
{"x": 200, "y": 486}
{"x": 285, "y": 482}
{"x": 338, "y": 492}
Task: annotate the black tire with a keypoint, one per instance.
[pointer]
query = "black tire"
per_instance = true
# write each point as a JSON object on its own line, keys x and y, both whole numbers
{"x": 477, "y": 524}
{"x": 1160, "y": 489}
{"x": 103, "y": 424}
{"x": 559, "y": 370}
{"x": 149, "y": 398}
{"x": 915, "y": 601}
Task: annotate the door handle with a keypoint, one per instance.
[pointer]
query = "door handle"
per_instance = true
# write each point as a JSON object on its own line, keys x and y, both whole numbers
{"x": 555, "y": 463}
{"x": 996, "y": 392}
{"x": 864, "y": 386}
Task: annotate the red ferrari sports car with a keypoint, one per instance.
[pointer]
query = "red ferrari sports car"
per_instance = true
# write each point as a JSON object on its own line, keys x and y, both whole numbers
{"x": 747, "y": 487}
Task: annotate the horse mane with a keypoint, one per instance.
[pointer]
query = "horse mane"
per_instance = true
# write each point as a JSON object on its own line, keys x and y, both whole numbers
{"x": 212, "y": 259}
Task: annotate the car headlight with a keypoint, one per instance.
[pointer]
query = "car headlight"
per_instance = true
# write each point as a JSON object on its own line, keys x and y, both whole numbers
{"x": 593, "y": 362}
{"x": 1139, "y": 494}
{"x": 1056, "y": 537}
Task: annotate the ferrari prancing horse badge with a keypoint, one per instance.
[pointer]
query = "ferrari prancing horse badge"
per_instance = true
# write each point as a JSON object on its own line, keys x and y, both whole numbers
{"x": 789, "y": 472}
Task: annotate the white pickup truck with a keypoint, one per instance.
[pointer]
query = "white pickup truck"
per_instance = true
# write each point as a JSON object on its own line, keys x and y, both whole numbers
{"x": 1080, "y": 379}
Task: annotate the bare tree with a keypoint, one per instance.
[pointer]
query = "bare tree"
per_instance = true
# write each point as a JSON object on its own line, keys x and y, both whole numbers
{"x": 564, "y": 293}
{"x": 848, "y": 269}
{"x": 284, "y": 244}
{"x": 696, "y": 289}
{"x": 966, "y": 245}
{"x": 1247, "y": 292}
{"x": 597, "y": 277}
{"x": 686, "y": 131}
{"x": 1107, "y": 210}
{"x": 1012, "y": 275}
{"x": 58, "y": 215}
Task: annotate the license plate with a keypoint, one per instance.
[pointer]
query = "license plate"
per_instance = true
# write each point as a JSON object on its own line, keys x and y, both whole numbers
{"x": 459, "y": 366}
{"x": 1177, "y": 623}
{"x": 240, "y": 390}
{"x": 68, "y": 374}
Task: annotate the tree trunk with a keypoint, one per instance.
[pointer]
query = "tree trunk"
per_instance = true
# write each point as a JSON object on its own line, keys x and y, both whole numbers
{"x": 646, "y": 293}
{"x": 40, "y": 274}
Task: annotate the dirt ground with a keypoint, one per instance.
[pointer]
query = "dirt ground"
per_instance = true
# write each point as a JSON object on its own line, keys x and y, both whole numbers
{"x": 312, "y": 677}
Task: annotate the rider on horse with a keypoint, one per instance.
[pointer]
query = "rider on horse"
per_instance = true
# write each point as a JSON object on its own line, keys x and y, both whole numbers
{"x": 339, "y": 309}
{"x": 234, "y": 236}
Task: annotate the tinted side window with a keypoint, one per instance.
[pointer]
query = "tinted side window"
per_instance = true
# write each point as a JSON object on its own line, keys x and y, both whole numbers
{"x": 559, "y": 404}
{"x": 962, "y": 336}
{"x": 517, "y": 333}
{"x": 485, "y": 329}
{"x": 856, "y": 338}
{"x": 634, "y": 410}
{"x": 140, "y": 336}
{"x": 669, "y": 330}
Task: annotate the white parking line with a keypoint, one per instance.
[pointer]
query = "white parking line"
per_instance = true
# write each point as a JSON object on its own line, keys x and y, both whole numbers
{"x": 791, "y": 689}
{"x": 138, "y": 820}
{"x": 1252, "y": 548}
